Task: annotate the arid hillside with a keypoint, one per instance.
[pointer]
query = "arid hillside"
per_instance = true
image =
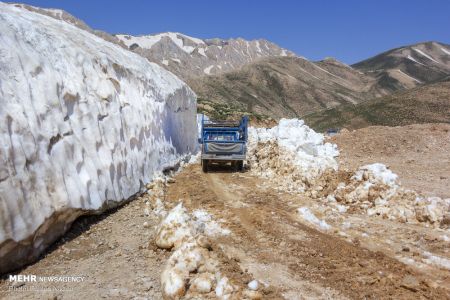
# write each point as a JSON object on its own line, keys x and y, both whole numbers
{"x": 423, "y": 104}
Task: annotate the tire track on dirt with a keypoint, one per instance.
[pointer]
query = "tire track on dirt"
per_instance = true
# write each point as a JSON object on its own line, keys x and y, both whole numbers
{"x": 270, "y": 243}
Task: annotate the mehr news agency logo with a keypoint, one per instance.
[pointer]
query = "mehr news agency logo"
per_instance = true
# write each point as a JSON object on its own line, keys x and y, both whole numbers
{"x": 18, "y": 282}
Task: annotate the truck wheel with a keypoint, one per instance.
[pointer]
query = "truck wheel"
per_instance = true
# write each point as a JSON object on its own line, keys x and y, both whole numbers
{"x": 240, "y": 165}
{"x": 205, "y": 165}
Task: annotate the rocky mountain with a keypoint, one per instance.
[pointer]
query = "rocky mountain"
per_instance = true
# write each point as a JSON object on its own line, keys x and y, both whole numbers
{"x": 235, "y": 76}
{"x": 64, "y": 16}
{"x": 86, "y": 125}
{"x": 284, "y": 87}
{"x": 190, "y": 57}
{"x": 423, "y": 104}
{"x": 408, "y": 66}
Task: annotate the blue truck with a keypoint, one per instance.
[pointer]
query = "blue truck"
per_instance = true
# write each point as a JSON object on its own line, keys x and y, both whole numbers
{"x": 223, "y": 142}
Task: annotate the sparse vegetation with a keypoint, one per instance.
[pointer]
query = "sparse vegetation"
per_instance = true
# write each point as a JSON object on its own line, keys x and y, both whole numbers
{"x": 425, "y": 104}
{"x": 224, "y": 111}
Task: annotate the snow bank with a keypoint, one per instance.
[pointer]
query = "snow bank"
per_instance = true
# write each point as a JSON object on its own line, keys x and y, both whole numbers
{"x": 291, "y": 152}
{"x": 375, "y": 189}
{"x": 86, "y": 125}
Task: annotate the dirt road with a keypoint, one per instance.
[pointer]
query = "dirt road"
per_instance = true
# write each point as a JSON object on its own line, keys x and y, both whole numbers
{"x": 268, "y": 241}
{"x": 295, "y": 261}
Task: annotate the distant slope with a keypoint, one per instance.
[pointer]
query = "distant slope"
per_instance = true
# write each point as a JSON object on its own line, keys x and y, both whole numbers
{"x": 285, "y": 87}
{"x": 408, "y": 66}
{"x": 425, "y": 104}
{"x": 190, "y": 57}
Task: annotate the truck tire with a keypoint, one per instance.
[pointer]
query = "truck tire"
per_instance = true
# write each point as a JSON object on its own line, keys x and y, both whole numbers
{"x": 240, "y": 165}
{"x": 205, "y": 165}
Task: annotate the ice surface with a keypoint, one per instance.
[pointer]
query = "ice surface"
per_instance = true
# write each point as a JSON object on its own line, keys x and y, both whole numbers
{"x": 86, "y": 125}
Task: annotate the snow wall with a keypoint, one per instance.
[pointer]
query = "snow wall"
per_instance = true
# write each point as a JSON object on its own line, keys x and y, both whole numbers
{"x": 85, "y": 125}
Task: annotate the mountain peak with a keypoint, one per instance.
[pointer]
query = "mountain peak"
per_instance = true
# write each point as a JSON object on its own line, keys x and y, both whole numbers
{"x": 189, "y": 57}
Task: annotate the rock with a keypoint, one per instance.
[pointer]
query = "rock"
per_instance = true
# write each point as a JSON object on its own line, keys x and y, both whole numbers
{"x": 100, "y": 116}
{"x": 405, "y": 249}
{"x": 411, "y": 283}
{"x": 252, "y": 295}
{"x": 146, "y": 225}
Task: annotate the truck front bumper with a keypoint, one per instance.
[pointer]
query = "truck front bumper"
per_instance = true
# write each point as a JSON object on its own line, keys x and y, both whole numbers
{"x": 219, "y": 157}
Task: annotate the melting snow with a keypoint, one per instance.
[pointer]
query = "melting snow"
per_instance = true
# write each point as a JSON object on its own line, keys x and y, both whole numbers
{"x": 308, "y": 216}
{"x": 203, "y": 222}
{"x": 380, "y": 172}
{"x": 436, "y": 260}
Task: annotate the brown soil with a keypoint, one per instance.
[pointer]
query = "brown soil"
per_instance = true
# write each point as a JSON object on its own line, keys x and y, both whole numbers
{"x": 294, "y": 260}
{"x": 419, "y": 154}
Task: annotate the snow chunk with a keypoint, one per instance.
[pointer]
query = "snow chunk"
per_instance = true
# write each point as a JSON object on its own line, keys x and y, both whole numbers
{"x": 253, "y": 285}
{"x": 379, "y": 172}
{"x": 223, "y": 288}
{"x": 165, "y": 62}
{"x": 174, "y": 229}
{"x": 309, "y": 216}
{"x": 204, "y": 223}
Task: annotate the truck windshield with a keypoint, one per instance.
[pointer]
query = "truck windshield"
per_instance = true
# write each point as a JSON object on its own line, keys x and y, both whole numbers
{"x": 232, "y": 136}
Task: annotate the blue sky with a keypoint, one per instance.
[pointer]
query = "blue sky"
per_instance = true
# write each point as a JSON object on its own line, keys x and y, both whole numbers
{"x": 347, "y": 30}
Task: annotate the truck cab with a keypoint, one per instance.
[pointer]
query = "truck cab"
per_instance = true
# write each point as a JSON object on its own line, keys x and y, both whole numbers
{"x": 223, "y": 142}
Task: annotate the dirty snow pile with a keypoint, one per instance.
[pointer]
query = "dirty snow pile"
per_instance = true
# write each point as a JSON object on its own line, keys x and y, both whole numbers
{"x": 85, "y": 125}
{"x": 193, "y": 270}
{"x": 375, "y": 190}
{"x": 291, "y": 153}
